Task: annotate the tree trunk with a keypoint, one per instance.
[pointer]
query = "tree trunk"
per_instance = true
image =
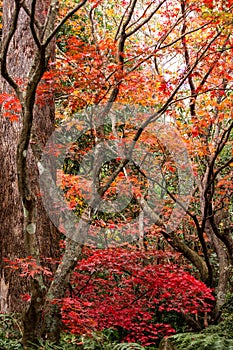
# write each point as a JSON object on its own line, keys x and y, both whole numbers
{"x": 221, "y": 278}
{"x": 20, "y": 57}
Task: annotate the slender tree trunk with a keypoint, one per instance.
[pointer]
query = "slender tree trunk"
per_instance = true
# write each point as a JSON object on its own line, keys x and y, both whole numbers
{"x": 224, "y": 260}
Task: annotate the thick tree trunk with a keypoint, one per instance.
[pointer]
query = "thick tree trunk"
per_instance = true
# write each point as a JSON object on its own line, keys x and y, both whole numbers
{"x": 20, "y": 58}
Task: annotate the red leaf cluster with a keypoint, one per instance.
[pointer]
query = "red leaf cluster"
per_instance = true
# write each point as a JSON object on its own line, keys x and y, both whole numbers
{"x": 130, "y": 291}
{"x": 28, "y": 267}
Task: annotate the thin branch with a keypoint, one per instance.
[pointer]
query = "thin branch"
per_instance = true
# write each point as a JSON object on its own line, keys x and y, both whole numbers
{"x": 120, "y": 56}
{"x": 140, "y": 25}
{"x": 157, "y": 114}
{"x": 121, "y": 21}
{"x": 142, "y": 15}
{"x": 60, "y": 24}
{"x": 176, "y": 243}
{"x": 192, "y": 103}
{"x": 225, "y": 136}
{"x": 222, "y": 168}
{"x": 183, "y": 35}
{"x": 131, "y": 10}
{"x": 168, "y": 192}
{"x": 155, "y": 117}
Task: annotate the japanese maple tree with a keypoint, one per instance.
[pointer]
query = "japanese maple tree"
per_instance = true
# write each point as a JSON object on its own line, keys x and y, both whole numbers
{"x": 127, "y": 289}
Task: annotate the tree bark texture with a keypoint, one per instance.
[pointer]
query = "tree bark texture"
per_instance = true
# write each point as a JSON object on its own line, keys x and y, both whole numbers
{"x": 20, "y": 57}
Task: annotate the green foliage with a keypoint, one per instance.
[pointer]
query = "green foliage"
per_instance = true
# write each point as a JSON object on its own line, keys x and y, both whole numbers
{"x": 190, "y": 341}
{"x": 11, "y": 335}
{"x": 223, "y": 329}
{"x": 216, "y": 337}
{"x": 174, "y": 318}
{"x": 10, "y": 332}
{"x": 107, "y": 340}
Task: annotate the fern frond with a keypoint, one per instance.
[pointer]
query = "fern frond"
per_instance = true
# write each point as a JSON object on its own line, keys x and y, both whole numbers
{"x": 191, "y": 341}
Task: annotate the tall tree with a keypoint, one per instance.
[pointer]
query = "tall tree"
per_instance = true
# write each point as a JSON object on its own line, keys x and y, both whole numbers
{"x": 18, "y": 47}
{"x": 27, "y": 48}
{"x": 22, "y": 213}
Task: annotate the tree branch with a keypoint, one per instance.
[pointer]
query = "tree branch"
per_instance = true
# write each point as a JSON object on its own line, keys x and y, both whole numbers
{"x": 49, "y": 37}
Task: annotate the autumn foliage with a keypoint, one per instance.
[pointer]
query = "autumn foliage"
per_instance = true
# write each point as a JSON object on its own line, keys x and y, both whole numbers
{"x": 133, "y": 292}
{"x": 173, "y": 59}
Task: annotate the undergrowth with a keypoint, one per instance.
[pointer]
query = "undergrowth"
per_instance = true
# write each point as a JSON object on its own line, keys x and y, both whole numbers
{"x": 11, "y": 336}
{"x": 216, "y": 337}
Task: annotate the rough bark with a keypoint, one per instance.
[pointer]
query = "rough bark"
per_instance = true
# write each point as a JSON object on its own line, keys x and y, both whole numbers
{"x": 26, "y": 48}
{"x": 20, "y": 57}
{"x": 52, "y": 320}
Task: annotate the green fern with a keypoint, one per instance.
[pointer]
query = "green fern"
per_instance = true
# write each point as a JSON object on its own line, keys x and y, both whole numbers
{"x": 191, "y": 341}
{"x": 215, "y": 337}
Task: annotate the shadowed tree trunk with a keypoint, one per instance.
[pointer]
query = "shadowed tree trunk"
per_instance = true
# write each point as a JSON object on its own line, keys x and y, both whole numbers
{"x": 27, "y": 46}
{"x": 12, "y": 239}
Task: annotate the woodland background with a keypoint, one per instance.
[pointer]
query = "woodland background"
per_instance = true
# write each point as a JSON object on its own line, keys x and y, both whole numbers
{"x": 144, "y": 62}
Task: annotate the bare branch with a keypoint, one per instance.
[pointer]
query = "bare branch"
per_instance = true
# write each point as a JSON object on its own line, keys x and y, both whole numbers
{"x": 176, "y": 243}
{"x": 157, "y": 114}
{"x": 121, "y": 21}
{"x": 225, "y": 136}
{"x": 140, "y": 25}
{"x": 120, "y": 54}
{"x": 192, "y": 103}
